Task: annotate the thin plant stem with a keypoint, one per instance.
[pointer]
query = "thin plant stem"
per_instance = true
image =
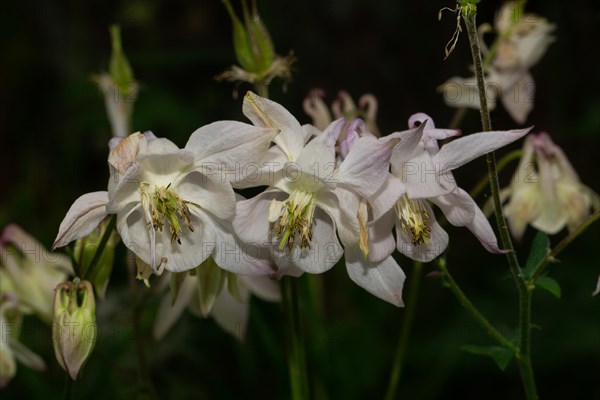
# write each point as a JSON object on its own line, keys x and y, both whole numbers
{"x": 523, "y": 356}
{"x": 262, "y": 89}
{"x": 471, "y": 309}
{"x": 407, "y": 323}
{"x": 296, "y": 354}
{"x": 68, "y": 390}
{"x": 539, "y": 269}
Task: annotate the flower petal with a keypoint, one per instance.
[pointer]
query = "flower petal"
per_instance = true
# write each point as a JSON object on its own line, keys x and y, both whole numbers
{"x": 230, "y": 314}
{"x": 384, "y": 279}
{"x": 169, "y": 312}
{"x": 268, "y": 114}
{"x": 251, "y": 221}
{"x": 82, "y": 218}
{"x": 209, "y": 192}
{"x": 381, "y": 240}
{"x": 467, "y": 148}
{"x": 262, "y": 287}
{"x": 366, "y": 166}
{"x": 518, "y": 98}
{"x": 387, "y": 196}
{"x": 231, "y": 143}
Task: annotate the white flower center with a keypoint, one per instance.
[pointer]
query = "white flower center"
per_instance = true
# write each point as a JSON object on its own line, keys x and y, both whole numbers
{"x": 163, "y": 207}
{"x": 414, "y": 220}
{"x": 293, "y": 217}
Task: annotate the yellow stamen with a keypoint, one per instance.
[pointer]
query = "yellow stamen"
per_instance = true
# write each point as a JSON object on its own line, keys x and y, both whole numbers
{"x": 414, "y": 220}
{"x": 296, "y": 217}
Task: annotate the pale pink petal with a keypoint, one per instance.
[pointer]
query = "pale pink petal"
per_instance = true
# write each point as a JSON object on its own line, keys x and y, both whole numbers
{"x": 251, "y": 222}
{"x": 209, "y": 192}
{"x": 384, "y": 279}
{"x": 230, "y": 314}
{"x": 262, "y": 287}
{"x": 518, "y": 98}
{"x": 82, "y": 218}
{"x": 381, "y": 240}
{"x": 467, "y": 148}
{"x": 387, "y": 196}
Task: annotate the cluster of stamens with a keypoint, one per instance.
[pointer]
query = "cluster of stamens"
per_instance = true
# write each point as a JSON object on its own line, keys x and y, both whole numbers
{"x": 293, "y": 217}
{"x": 164, "y": 206}
{"x": 414, "y": 220}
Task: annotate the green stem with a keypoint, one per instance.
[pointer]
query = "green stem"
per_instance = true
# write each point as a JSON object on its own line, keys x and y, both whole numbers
{"x": 504, "y": 161}
{"x": 68, "y": 390}
{"x": 262, "y": 89}
{"x": 471, "y": 309}
{"x": 469, "y": 12}
{"x": 296, "y": 355}
{"x": 407, "y": 323}
{"x": 539, "y": 269}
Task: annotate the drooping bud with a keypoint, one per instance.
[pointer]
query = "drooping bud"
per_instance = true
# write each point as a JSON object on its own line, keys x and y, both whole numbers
{"x": 74, "y": 328}
{"x": 85, "y": 251}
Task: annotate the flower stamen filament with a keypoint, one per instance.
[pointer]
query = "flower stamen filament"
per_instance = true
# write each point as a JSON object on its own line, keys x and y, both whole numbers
{"x": 414, "y": 220}
{"x": 293, "y": 217}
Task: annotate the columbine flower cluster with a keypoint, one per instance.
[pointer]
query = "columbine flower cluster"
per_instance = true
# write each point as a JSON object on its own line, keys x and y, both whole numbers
{"x": 329, "y": 192}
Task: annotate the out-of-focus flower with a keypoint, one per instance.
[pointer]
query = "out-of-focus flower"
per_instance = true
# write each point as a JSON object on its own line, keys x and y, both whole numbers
{"x": 423, "y": 171}
{"x": 597, "y": 288}
{"x": 546, "y": 191}
{"x": 31, "y": 272}
{"x": 74, "y": 329}
{"x": 11, "y": 350}
{"x": 173, "y": 206}
{"x": 343, "y": 107}
{"x": 303, "y": 207}
{"x": 119, "y": 88}
{"x": 522, "y": 41}
{"x": 211, "y": 291}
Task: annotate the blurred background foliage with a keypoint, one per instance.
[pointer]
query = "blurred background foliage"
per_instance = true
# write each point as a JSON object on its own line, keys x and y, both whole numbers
{"x": 53, "y": 148}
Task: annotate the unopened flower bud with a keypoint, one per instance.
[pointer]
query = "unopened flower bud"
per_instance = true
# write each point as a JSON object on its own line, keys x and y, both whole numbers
{"x": 85, "y": 251}
{"x": 74, "y": 327}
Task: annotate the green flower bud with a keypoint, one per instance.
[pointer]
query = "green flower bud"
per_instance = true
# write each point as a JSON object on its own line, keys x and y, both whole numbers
{"x": 119, "y": 67}
{"x": 85, "y": 251}
{"x": 74, "y": 328}
{"x": 251, "y": 40}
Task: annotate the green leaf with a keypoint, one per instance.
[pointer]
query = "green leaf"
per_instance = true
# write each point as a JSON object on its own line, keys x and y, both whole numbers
{"x": 500, "y": 355}
{"x": 540, "y": 247}
{"x": 549, "y": 284}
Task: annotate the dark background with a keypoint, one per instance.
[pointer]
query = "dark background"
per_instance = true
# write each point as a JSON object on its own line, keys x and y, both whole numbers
{"x": 53, "y": 148}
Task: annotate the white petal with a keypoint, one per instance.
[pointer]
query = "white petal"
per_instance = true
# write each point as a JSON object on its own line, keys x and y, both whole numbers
{"x": 265, "y": 172}
{"x": 342, "y": 206}
{"x": 366, "y": 166}
{"x": 518, "y": 98}
{"x": 387, "y": 196}
{"x": 462, "y": 150}
{"x": 268, "y": 114}
{"x": 209, "y": 192}
{"x": 595, "y": 293}
{"x": 461, "y": 210}
{"x": 82, "y": 218}
{"x": 251, "y": 222}
{"x": 169, "y": 312}
{"x": 381, "y": 240}
{"x": 231, "y": 143}
{"x": 230, "y": 314}
{"x": 262, "y": 287}
{"x": 237, "y": 257}
{"x": 384, "y": 280}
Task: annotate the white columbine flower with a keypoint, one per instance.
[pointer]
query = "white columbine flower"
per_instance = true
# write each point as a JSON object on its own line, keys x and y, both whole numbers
{"x": 307, "y": 198}
{"x": 523, "y": 39}
{"x": 546, "y": 191}
{"x": 423, "y": 171}
{"x": 173, "y": 206}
